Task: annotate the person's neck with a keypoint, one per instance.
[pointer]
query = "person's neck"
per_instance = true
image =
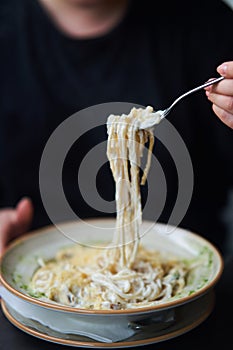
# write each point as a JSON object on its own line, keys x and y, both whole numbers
{"x": 85, "y": 19}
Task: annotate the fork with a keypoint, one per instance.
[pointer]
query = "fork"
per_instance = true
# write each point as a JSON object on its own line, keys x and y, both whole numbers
{"x": 159, "y": 115}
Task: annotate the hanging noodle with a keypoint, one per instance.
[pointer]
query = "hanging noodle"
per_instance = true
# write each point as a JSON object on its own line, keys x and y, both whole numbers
{"x": 126, "y": 143}
{"x": 126, "y": 275}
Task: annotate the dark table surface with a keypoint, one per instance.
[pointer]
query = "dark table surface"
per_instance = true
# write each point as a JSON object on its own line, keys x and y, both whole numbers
{"x": 215, "y": 331}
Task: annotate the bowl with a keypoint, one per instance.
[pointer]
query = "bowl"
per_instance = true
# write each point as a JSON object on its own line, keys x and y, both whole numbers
{"x": 107, "y": 328}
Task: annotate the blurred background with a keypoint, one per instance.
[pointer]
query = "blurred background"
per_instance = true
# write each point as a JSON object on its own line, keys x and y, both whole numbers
{"x": 50, "y": 70}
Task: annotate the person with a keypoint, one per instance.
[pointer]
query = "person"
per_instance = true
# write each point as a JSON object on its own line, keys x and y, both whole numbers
{"x": 61, "y": 56}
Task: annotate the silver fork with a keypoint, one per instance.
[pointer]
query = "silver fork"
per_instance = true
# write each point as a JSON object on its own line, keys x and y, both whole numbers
{"x": 159, "y": 115}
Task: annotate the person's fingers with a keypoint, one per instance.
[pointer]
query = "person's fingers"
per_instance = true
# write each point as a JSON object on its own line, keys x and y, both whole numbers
{"x": 7, "y": 220}
{"x": 224, "y": 87}
{"x": 222, "y": 101}
{"x": 224, "y": 116}
{"x": 24, "y": 212}
{"x": 226, "y": 69}
{"x": 23, "y": 217}
{"x": 14, "y": 222}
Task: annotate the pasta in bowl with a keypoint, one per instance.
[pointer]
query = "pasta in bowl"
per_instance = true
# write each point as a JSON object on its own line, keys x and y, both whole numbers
{"x": 106, "y": 319}
{"x": 48, "y": 269}
{"x": 81, "y": 277}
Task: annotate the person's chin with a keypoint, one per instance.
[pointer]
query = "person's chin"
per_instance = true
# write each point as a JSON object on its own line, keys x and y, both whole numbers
{"x": 86, "y": 3}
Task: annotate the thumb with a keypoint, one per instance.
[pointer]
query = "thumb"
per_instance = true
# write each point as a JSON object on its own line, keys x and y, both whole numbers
{"x": 24, "y": 215}
{"x": 15, "y": 221}
{"x": 226, "y": 69}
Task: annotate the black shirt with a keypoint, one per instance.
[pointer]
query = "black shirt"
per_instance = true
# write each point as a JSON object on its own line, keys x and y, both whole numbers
{"x": 150, "y": 58}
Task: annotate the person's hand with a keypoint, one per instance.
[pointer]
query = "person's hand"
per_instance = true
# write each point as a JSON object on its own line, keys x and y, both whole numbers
{"x": 221, "y": 94}
{"x": 15, "y": 221}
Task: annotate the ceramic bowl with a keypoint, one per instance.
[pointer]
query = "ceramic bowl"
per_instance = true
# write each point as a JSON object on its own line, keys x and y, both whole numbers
{"x": 110, "y": 326}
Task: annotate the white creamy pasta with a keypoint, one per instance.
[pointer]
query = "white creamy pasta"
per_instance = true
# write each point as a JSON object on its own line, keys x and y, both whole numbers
{"x": 126, "y": 275}
{"x": 126, "y": 143}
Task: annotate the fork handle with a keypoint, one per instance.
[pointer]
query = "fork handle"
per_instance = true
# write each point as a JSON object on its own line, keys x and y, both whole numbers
{"x": 210, "y": 82}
